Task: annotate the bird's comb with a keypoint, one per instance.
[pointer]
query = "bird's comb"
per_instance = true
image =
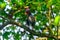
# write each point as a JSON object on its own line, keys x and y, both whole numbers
{"x": 26, "y": 7}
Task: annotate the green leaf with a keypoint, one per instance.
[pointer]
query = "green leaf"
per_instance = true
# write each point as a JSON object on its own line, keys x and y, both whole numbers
{"x": 2, "y": 5}
{"x": 5, "y": 35}
{"x": 49, "y": 3}
{"x": 56, "y": 21}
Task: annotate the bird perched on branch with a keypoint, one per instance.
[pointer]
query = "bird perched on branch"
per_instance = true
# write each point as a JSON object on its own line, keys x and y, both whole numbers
{"x": 30, "y": 18}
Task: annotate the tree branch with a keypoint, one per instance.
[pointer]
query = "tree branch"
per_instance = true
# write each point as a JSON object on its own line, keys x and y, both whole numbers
{"x": 33, "y": 32}
{"x": 5, "y": 23}
{"x": 2, "y": 26}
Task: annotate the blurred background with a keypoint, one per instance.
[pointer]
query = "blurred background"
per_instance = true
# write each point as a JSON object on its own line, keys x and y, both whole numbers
{"x": 13, "y": 20}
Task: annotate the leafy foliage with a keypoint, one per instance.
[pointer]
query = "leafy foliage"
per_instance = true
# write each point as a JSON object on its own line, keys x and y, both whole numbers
{"x": 46, "y": 15}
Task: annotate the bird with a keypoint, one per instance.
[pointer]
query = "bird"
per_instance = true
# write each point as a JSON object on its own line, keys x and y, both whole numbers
{"x": 30, "y": 18}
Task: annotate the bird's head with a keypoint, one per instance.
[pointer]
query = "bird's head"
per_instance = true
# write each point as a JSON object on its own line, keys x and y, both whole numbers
{"x": 27, "y": 10}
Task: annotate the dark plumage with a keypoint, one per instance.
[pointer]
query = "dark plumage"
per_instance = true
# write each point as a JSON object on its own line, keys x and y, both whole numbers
{"x": 30, "y": 18}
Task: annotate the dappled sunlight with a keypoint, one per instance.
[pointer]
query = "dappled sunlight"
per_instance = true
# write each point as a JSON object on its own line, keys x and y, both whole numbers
{"x": 30, "y": 20}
